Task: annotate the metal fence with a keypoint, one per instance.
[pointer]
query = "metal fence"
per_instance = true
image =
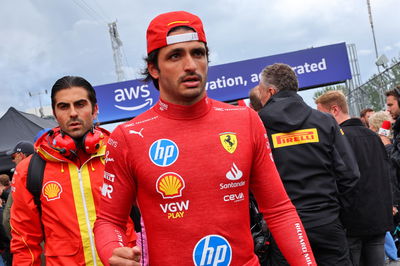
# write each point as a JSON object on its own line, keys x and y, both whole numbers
{"x": 371, "y": 94}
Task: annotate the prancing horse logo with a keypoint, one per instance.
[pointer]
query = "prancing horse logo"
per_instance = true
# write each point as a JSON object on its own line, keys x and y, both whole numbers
{"x": 228, "y": 141}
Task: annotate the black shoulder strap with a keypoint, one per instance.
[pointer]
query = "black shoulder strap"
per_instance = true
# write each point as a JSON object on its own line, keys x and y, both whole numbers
{"x": 34, "y": 179}
{"x": 135, "y": 216}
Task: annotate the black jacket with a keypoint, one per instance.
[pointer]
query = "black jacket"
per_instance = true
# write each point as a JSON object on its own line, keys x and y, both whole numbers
{"x": 371, "y": 212}
{"x": 317, "y": 166}
{"x": 393, "y": 151}
{"x": 394, "y": 173}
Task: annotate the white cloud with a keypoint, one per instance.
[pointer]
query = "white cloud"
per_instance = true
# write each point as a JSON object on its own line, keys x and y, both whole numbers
{"x": 365, "y": 52}
{"x": 44, "y": 40}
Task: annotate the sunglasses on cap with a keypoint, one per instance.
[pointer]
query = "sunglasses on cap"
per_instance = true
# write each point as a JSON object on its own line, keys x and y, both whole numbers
{"x": 14, "y": 155}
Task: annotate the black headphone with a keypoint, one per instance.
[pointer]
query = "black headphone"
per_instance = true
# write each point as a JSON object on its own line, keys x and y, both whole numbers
{"x": 66, "y": 145}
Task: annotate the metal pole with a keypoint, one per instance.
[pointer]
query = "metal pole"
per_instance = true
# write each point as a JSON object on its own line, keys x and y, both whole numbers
{"x": 382, "y": 98}
{"x": 372, "y": 28}
{"x": 31, "y": 94}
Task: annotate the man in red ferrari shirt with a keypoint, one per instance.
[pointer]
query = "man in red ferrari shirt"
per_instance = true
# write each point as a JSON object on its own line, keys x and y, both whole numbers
{"x": 189, "y": 163}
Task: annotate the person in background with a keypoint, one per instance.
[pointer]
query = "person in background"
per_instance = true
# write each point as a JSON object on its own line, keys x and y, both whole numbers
{"x": 74, "y": 157}
{"x": 314, "y": 160}
{"x": 393, "y": 107}
{"x": 189, "y": 163}
{"x": 254, "y": 96}
{"x": 5, "y": 188}
{"x": 364, "y": 116}
{"x": 370, "y": 216}
{"x": 376, "y": 119}
{"x": 20, "y": 151}
{"x": 4, "y": 240}
{"x": 392, "y": 145}
{"x": 375, "y": 123}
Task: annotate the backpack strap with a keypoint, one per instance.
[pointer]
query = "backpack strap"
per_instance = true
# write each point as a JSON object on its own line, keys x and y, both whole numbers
{"x": 135, "y": 216}
{"x": 34, "y": 180}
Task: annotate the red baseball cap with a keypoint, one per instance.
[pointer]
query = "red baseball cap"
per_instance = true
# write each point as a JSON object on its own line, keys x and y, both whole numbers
{"x": 160, "y": 26}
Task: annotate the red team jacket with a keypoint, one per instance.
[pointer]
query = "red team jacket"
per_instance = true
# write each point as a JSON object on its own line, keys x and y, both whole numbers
{"x": 190, "y": 168}
{"x": 69, "y": 200}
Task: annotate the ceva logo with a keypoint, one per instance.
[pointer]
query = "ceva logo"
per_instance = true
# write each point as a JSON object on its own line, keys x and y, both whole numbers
{"x": 133, "y": 94}
{"x": 212, "y": 250}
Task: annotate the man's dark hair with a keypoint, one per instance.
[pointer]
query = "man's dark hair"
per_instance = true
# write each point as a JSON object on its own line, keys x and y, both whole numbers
{"x": 364, "y": 112}
{"x": 73, "y": 81}
{"x": 255, "y": 101}
{"x": 281, "y": 76}
{"x": 152, "y": 58}
{"x": 395, "y": 92}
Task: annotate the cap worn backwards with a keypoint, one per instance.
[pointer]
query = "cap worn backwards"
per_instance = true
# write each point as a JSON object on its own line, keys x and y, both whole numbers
{"x": 157, "y": 32}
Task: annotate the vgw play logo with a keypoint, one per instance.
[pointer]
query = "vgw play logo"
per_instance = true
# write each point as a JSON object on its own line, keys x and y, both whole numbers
{"x": 133, "y": 94}
{"x": 212, "y": 250}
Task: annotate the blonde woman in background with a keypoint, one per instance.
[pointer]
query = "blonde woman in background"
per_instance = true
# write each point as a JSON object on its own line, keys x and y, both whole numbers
{"x": 376, "y": 120}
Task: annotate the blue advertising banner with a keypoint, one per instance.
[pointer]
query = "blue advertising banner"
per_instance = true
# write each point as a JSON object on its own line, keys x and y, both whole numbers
{"x": 314, "y": 67}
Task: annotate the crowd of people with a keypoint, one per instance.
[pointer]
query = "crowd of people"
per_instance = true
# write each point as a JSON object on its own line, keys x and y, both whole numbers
{"x": 325, "y": 183}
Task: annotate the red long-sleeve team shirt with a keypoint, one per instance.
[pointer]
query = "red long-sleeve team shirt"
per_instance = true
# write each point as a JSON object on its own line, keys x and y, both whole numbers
{"x": 190, "y": 168}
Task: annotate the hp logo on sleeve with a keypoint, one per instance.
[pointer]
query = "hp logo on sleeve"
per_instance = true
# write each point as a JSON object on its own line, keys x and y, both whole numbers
{"x": 163, "y": 152}
{"x": 212, "y": 250}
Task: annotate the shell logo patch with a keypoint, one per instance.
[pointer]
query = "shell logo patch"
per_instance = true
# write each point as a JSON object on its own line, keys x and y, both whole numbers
{"x": 295, "y": 137}
{"x": 170, "y": 185}
{"x": 52, "y": 190}
{"x": 229, "y": 141}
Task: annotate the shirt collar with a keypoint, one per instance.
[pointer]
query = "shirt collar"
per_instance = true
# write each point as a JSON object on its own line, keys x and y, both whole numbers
{"x": 185, "y": 112}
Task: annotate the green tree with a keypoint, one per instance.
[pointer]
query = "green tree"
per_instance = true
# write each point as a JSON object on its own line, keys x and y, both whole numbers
{"x": 323, "y": 90}
{"x": 370, "y": 94}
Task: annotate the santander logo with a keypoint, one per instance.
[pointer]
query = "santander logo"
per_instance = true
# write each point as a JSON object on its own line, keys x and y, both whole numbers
{"x": 234, "y": 173}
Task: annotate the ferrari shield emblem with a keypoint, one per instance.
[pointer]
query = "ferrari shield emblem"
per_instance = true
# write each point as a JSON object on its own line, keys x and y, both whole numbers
{"x": 228, "y": 141}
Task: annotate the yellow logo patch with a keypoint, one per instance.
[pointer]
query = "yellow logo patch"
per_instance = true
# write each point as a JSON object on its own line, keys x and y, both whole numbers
{"x": 295, "y": 137}
{"x": 170, "y": 185}
{"x": 228, "y": 141}
{"x": 52, "y": 190}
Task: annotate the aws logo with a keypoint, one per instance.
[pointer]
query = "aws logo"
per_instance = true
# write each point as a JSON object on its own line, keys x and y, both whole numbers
{"x": 133, "y": 94}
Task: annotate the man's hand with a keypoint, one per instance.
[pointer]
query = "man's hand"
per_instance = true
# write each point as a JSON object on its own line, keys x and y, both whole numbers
{"x": 125, "y": 256}
{"x": 385, "y": 140}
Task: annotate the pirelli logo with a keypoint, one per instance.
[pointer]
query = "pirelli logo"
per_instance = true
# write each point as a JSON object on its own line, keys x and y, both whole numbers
{"x": 295, "y": 137}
